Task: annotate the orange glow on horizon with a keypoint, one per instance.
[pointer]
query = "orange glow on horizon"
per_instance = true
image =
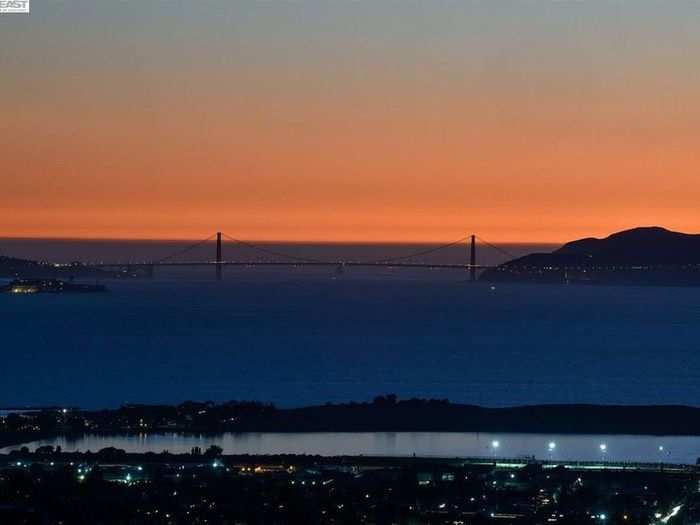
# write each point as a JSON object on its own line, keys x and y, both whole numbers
{"x": 544, "y": 125}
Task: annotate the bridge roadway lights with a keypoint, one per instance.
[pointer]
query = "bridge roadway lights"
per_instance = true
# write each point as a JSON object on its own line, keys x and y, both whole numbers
{"x": 148, "y": 268}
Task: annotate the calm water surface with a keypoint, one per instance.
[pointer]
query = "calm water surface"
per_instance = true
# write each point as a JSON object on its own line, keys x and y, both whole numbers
{"x": 307, "y": 339}
{"x": 676, "y": 449}
{"x": 306, "y": 336}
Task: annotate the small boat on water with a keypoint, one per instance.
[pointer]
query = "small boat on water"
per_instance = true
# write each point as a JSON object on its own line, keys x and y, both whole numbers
{"x": 32, "y": 286}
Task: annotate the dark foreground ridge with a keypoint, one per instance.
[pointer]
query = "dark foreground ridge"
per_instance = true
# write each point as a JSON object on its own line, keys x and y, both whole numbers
{"x": 640, "y": 256}
{"x": 385, "y": 413}
{"x": 49, "y": 487}
{"x": 110, "y": 486}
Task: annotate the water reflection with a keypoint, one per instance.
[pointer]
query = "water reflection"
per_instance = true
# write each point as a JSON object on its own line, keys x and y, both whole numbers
{"x": 667, "y": 449}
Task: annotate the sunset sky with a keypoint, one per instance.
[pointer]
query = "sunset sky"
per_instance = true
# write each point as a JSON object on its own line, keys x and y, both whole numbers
{"x": 343, "y": 121}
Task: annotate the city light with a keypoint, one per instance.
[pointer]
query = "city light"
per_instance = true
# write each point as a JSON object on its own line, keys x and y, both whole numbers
{"x": 495, "y": 444}
{"x": 603, "y": 447}
{"x": 552, "y": 445}
{"x": 671, "y": 514}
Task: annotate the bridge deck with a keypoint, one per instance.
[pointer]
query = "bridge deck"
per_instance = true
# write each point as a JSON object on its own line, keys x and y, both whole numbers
{"x": 355, "y": 264}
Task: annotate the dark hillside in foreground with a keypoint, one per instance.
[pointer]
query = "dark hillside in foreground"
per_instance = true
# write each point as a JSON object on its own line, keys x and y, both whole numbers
{"x": 641, "y": 256}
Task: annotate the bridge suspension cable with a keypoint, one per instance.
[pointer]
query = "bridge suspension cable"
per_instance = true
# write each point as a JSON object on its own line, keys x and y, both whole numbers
{"x": 185, "y": 250}
{"x": 419, "y": 253}
{"x": 271, "y": 252}
{"x": 305, "y": 259}
{"x": 502, "y": 251}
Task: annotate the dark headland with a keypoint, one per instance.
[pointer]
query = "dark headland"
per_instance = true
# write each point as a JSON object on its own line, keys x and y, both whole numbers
{"x": 640, "y": 256}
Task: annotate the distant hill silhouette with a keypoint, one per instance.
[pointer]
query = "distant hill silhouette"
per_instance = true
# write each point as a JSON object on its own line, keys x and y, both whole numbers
{"x": 648, "y": 255}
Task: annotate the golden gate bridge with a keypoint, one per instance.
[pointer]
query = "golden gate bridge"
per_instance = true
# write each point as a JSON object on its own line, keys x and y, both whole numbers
{"x": 281, "y": 258}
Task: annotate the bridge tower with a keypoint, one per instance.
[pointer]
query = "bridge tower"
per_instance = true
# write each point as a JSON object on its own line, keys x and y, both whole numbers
{"x": 472, "y": 259}
{"x": 218, "y": 256}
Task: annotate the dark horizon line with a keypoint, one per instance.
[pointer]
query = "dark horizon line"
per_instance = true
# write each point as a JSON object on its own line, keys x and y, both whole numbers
{"x": 259, "y": 241}
{"x": 340, "y": 404}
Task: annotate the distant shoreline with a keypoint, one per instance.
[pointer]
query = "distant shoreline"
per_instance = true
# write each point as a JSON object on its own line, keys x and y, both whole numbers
{"x": 348, "y": 460}
{"x": 640, "y": 256}
{"x": 384, "y": 414}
